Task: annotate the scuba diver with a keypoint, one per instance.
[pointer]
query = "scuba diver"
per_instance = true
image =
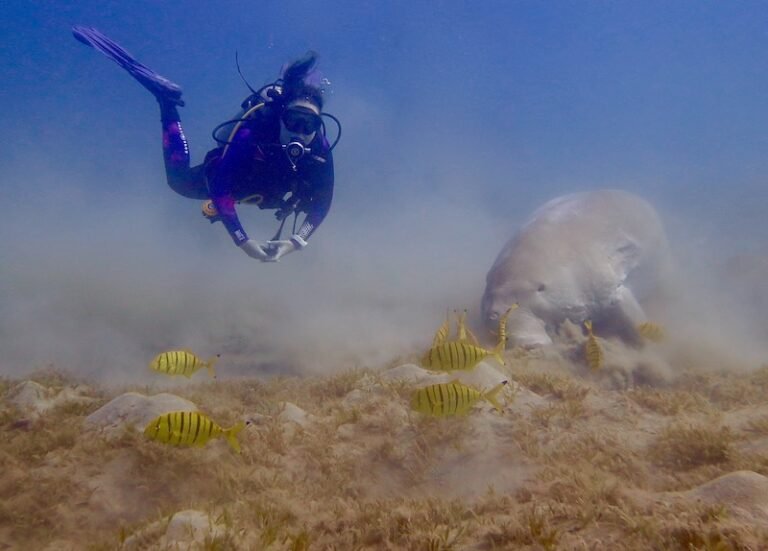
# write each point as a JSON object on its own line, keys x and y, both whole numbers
{"x": 273, "y": 154}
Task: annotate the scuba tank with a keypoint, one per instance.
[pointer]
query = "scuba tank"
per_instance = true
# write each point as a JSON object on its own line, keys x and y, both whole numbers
{"x": 266, "y": 94}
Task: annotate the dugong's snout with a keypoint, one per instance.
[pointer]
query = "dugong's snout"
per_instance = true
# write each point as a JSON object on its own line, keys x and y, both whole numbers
{"x": 527, "y": 329}
{"x": 524, "y": 328}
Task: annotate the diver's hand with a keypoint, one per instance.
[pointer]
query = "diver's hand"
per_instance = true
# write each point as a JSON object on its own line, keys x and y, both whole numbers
{"x": 279, "y": 249}
{"x": 254, "y": 250}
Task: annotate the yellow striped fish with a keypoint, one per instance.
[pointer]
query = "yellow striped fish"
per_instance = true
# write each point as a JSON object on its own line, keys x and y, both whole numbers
{"x": 651, "y": 331}
{"x": 503, "y": 326}
{"x": 190, "y": 428}
{"x": 592, "y": 349}
{"x": 464, "y": 334}
{"x": 454, "y": 398}
{"x": 453, "y": 355}
{"x": 442, "y": 332}
{"x": 181, "y": 362}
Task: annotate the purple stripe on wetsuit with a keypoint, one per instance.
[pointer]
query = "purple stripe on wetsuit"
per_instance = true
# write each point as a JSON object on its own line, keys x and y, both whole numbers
{"x": 175, "y": 147}
{"x": 186, "y": 181}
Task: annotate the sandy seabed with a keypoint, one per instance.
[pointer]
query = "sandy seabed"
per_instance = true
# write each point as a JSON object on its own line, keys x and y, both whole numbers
{"x": 578, "y": 460}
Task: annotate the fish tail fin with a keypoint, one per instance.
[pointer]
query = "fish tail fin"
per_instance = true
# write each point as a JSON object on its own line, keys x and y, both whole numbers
{"x": 490, "y": 396}
{"x": 462, "y": 325}
{"x": 231, "y": 435}
{"x": 210, "y": 364}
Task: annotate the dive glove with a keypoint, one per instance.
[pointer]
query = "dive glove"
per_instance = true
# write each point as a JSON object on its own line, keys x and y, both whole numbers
{"x": 254, "y": 250}
{"x": 280, "y": 248}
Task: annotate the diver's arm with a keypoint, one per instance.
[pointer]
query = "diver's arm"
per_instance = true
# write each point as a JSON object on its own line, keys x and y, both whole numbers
{"x": 230, "y": 169}
{"x": 322, "y": 184}
{"x": 226, "y": 208}
{"x": 322, "y": 181}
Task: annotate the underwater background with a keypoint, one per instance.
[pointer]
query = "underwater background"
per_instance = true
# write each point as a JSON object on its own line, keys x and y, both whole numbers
{"x": 459, "y": 119}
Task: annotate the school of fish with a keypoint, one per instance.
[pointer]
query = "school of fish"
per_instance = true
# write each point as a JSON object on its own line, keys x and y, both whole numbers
{"x": 463, "y": 353}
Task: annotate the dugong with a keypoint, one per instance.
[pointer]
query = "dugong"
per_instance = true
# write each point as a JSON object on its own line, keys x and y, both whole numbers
{"x": 590, "y": 255}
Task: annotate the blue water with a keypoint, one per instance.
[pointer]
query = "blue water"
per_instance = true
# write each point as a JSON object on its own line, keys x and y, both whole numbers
{"x": 459, "y": 119}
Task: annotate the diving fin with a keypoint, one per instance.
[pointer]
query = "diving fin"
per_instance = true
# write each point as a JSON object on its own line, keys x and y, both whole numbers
{"x": 163, "y": 89}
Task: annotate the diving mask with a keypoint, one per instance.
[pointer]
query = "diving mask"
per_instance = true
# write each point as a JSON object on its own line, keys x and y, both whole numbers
{"x": 299, "y": 124}
{"x": 301, "y": 121}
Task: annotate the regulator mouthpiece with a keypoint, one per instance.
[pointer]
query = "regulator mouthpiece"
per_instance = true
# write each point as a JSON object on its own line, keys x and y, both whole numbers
{"x": 295, "y": 151}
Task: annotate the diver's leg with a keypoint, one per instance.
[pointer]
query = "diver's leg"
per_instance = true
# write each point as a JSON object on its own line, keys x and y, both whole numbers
{"x": 186, "y": 181}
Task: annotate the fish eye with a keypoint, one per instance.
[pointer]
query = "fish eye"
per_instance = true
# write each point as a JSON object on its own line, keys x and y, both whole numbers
{"x": 541, "y": 288}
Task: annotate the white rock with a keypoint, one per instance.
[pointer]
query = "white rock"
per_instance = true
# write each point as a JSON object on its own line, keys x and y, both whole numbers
{"x": 256, "y": 419}
{"x": 411, "y": 373}
{"x": 62, "y": 545}
{"x": 483, "y": 376}
{"x": 353, "y": 398}
{"x": 367, "y": 383}
{"x": 136, "y": 410}
{"x": 32, "y": 398}
{"x": 190, "y": 526}
{"x": 293, "y": 413}
{"x": 741, "y": 491}
{"x": 525, "y": 400}
{"x": 184, "y": 531}
{"x": 346, "y": 431}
